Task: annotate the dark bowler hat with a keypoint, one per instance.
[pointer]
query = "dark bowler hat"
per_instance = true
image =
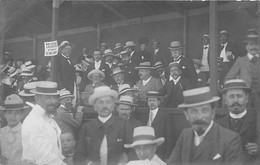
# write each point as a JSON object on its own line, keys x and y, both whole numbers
{"x": 13, "y": 102}
{"x": 46, "y": 88}
{"x": 154, "y": 94}
{"x": 235, "y": 84}
{"x": 197, "y": 96}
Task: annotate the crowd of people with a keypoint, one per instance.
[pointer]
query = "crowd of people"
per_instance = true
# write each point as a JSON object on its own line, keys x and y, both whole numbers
{"x": 44, "y": 118}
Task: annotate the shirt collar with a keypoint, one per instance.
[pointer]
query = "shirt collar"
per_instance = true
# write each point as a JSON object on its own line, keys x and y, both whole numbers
{"x": 250, "y": 56}
{"x": 175, "y": 80}
{"x": 238, "y": 116}
{"x": 99, "y": 62}
{"x": 65, "y": 56}
{"x": 104, "y": 119}
{"x": 146, "y": 81}
{"x": 206, "y": 131}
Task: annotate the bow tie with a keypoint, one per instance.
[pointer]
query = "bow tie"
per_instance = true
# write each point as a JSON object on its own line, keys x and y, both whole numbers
{"x": 254, "y": 59}
{"x": 206, "y": 47}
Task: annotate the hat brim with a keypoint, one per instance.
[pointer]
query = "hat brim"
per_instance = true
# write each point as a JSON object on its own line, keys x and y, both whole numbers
{"x": 178, "y": 47}
{"x": 40, "y": 93}
{"x": 157, "y": 67}
{"x": 95, "y": 96}
{"x": 22, "y": 93}
{"x": 129, "y": 46}
{"x": 144, "y": 67}
{"x": 109, "y": 54}
{"x": 118, "y": 47}
{"x": 117, "y": 73}
{"x": 61, "y": 46}
{"x": 158, "y": 141}
{"x": 130, "y": 89}
{"x": 26, "y": 74}
{"x": 62, "y": 97}
{"x": 222, "y": 91}
{"x": 159, "y": 97}
{"x": 102, "y": 76}
{"x": 14, "y": 109}
{"x": 213, "y": 99}
{"x": 126, "y": 103}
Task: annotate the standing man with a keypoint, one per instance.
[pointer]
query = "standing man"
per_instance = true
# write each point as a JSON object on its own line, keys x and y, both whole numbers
{"x": 206, "y": 141}
{"x": 143, "y": 53}
{"x": 158, "y": 54}
{"x": 102, "y": 140}
{"x": 240, "y": 119}
{"x": 65, "y": 71}
{"x": 205, "y": 69}
{"x": 130, "y": 47}
{"x": 40, "y": 133}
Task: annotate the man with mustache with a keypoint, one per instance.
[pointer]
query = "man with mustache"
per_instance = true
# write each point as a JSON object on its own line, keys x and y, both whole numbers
{"x": 206, "y": 142}
{"x": 240, "y": 119}
{"x": 248, "y": 68}
{"x": 40, "y": 133}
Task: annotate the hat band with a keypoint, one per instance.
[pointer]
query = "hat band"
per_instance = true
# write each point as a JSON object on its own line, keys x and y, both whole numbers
{"x": 235, "y": 84}
{"x": 143, "y": 137}
{"x": 124, "y": 90}
{"x": 46, "y": 90}
{"x": 13, "y": 106}
{"x": 27, "y": 91}
{"x": 26, "y": 71}
{"x": 127, "y": 102}
{"x": 197, "y": 98}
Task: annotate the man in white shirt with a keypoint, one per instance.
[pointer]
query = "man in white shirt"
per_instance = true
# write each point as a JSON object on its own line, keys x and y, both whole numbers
{"x": 205, "y": 69}
{"x": 40, "y": 133}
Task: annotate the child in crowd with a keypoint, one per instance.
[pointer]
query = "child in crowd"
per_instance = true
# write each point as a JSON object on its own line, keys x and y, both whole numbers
{"x": 68, "y": 144}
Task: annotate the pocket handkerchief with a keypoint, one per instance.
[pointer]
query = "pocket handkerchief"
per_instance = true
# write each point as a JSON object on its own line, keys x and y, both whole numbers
{"x": 216, "y": 156}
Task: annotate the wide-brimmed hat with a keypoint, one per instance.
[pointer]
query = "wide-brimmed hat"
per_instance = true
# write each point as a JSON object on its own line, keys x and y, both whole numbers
{"x": 108, "y": 52}
{"x": 223, "y": 32}
{"x": 100, "y": 92}
{"x": 127, "y": 100}
{"x": 125, "y": 88}
{"x": 175, "y": 45}
{"x": 118, "y": 45}
{"x": 124, "y": 52}
{"x": 252, "y": 36}
{"x": 158, "y": 64}
{"x": 145, "y": 65}
{"x": 174, "y": 64}
{"x": 117, "y": 70}
{"x": 28, "y": 64}
{"x": 197, "y": 96}
{"x": 65, "y": 94}
{"x": 65, "y": 43}
{"x": 144, "y": 135}
{"x": 196, "y": 61}
{"x": 27, "y": 89}
{"x": 129, "y": 44}
{"x": 12, "y": 71}
{"x": 154, "y": 94}
{"x": 206, "y": 35}
{"x": 27, "y": 72}
{"x": 103, "y": 44}
{"x": 13, "y": 102}
{"x": 46, "y": 88}
{"x": 96, "y": 71}
{"x": 235, "y": 84}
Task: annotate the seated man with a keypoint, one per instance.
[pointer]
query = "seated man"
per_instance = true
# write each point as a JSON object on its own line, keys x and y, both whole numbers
{"x": 125, "y": 89}
{"x": 118, "y": 76}
{"x": 145, "y": 145}
{"x": 68, "y": 144}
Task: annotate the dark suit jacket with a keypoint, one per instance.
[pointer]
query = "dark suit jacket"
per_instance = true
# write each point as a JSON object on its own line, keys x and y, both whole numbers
{"x": 103, "y": 67}
{"x": 173, "y": 93}
{"x": 229, "y": 48}
{"x": 136, "y": 58}
{"x": 220, "y": 143}
{"x": 118, "y": 132}
{"x": 131, "y": 74}
{"x": 247, "y": 131}
{"x": 65, "y": 72}
{"x": 159, "y": 56}
{"x": 145, "y": 56}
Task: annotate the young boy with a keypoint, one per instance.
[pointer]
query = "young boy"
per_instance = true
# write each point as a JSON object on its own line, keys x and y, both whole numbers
{"x": 68, "y": 145}
{"x": 11, "y": 141}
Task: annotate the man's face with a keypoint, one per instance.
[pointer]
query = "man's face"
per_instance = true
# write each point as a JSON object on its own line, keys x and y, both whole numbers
{"x": 67, "y": 102}
{"x": 143, "y": 47}
{"x": 95, "y": 78}
{"x": 236, "y": 100}
{"x": 129, "y": 49}
{"x": 124, "y": 111}
{"x": 200, "y": 117}
{"x": 126, "y": 59}
{"x": 145, "y": 151}
{"x": 109, "y": 59}
{"x": 85, "y": 51}
{"x": 175, "y": 72}
{"x": 13, "y": 117}
{"x": 68, "y": 142}
{"x": 252, "y": 48}
{"x": 66, "y": 50}
{"x": 48, "y": 102}
{"x": 119, "y": 78}
{"x": 97, "y": 57}
{"x": 116, "y": 61}
{"x": 223, "y": 38}
{"x": 153, "y": 103}
{"x": 104, "y": 106}
{"x": 144, "y": 73}
{"x": 176, "y": 53}
{"x": 155, "y": 45}
{"x": 160, "y": 70}
{"x": 205, "y": 40}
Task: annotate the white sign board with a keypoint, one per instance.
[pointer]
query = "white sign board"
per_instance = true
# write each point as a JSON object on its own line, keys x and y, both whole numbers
{"x": 51, "y": 48}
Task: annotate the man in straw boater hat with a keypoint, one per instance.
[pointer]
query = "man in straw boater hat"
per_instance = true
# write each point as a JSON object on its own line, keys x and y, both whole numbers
{"x": 206, "y": 142}
{"x": 125, "y": 89}
{"x": 119, "y": 77}
{"x": 125, "y": 108}
{"x": 248, "y": 67}
{"x": 65, "y": 112}
{"x": 40, "y": 132}
{"x": 102, "y": 139}
{"x": 117, "y": 49}
{"x": 11, "y": 135}
{"x": 159, "y": 72}
{"x": 109, "y": 58}
{"x": 145, "y": 144}
{"x": 134, "y": 56}
{"x": 240, "y": 119}
{"x": 146, "y": 82}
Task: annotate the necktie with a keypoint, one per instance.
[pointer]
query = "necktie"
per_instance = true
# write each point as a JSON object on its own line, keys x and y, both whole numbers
{"x": 150, "y": 120}
{"x": 103, "y": 151}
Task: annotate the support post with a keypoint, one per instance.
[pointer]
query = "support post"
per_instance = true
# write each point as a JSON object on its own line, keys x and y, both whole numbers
{"x": 2, "y": 46}
{"x": 213, "y": 24}
{"x": 35, "y": 44}
{"x": 185, "y": 29}
{"x": 98, "y": 35}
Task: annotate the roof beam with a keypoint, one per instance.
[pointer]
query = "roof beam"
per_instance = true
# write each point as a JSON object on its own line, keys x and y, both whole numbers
{"x": 110, "y": 8}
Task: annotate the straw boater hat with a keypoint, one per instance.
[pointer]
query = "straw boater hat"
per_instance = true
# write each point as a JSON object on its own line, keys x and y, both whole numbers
{"x": 223, "y": 32}
{"x": 127, "y": 100}
{"x": 129, "y": 44}
{"x": 145, "y": 65}
{"x": 125, "y": 88}
{"x": 108, "y": 52}
{"x": 206, "y": 35}
{"x": 197, "y": 96}
{"x": 174, "y": 64}
{"x": 252, "y": 36}
{"x": 46, "y": 88}
{"x": 65, "y": 94}
{"x": 154, "y": 94}
{"x": 12, "y": 71}
{"x": 96, "y": 71}
{"x": 27, "y": 89}
{"x": 158, "y": 64}
{"x": 196, "y": 61}
{"x": 100, "y": 92}
{"x": 175, "y": 45}
{"x": 65, "y": 43}
{"x": 124, "y": 52}
{"x": 118, "y": 45}
{"x": 13, "y": 102}
{"x": 235, "y": 84}
{"x": 103, "y": 44}
{"x": 144, "y": 135}
{"x": 26, "y": 72}
{"x": 28, "y": 64}
{"x": 117, "y": 70}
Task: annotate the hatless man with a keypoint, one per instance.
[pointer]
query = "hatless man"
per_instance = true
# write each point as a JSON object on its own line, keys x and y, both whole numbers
{"x": 205, "y": 142}
{"x": 205, "y": 70}
{"x": 102, "y": 139}
{"x": 158, "y": 54}
{"x": 143, "y": 53}
{"x": 240, "y": 119}
{"x": 40, "y": 133}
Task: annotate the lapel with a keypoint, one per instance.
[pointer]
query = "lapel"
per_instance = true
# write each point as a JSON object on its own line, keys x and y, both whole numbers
{"x": 159, "y": 116}
{"x": 247, "y": 62}
{"x": 187, "y": 145}
{"x": 246, "y": 123}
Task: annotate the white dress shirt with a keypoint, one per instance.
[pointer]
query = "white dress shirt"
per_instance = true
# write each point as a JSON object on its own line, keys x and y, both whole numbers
{"x": 97, "y": 64}
{"x": 223, "y": 53}
{"x": 250, "y": 56}
{"x": 198, "y": 139}
{"x": 144, "y": 82}
{"x": 155, "y": 111}
{"x": 175, "y": 80}
{"x": 41, "y": 139}
{"x": 237, "y": 116}
{"x": 154, "y": 161}
{"x": 204, "y": 61}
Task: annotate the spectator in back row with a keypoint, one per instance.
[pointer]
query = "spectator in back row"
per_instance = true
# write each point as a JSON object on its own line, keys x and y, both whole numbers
{"x": 119, "y": 76}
